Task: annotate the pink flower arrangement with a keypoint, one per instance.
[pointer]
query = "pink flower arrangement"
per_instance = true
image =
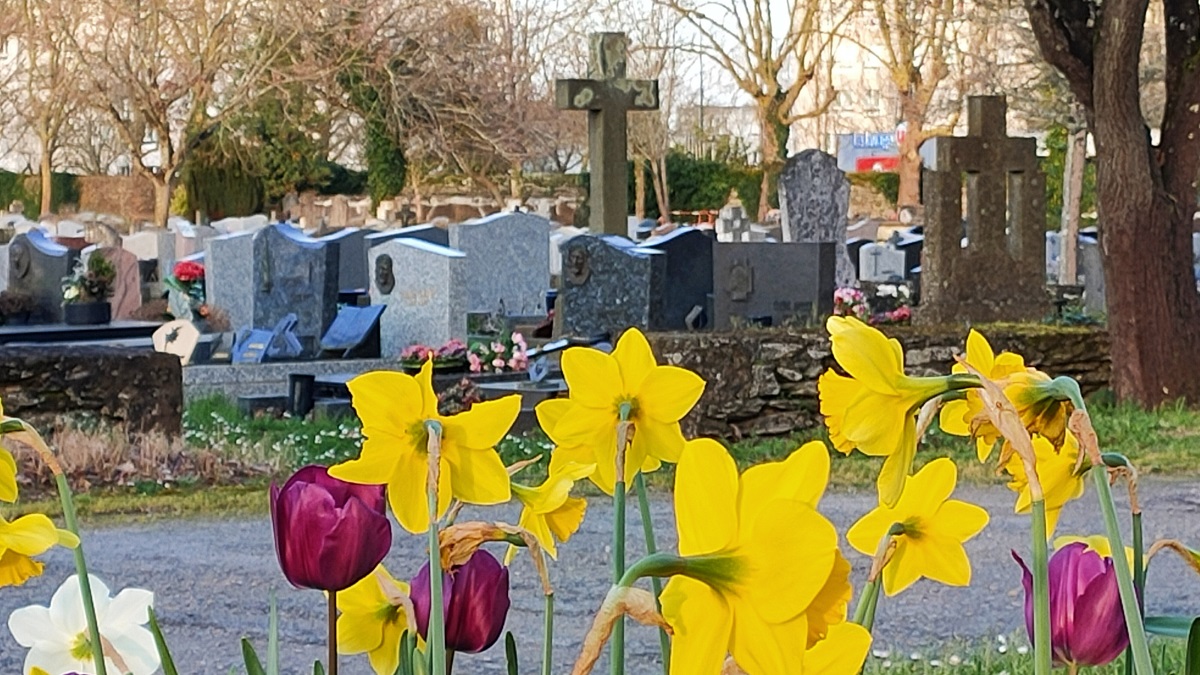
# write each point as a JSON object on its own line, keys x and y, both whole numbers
{"x": 850, "y": 302}
{"x": 500, "y": 356}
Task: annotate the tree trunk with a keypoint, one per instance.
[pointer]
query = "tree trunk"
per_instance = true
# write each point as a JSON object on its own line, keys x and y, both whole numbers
{"x": 516, "y": 181}
{"x": 910, "y": 152}
{"x": 773, "y": 146}
{"x": 661, "y": 189}
{"x": 46, "y": 171}
{"x": 162, "y": 198}
{"x": 1075, "y": 163}
{"x": 639, "y": 187}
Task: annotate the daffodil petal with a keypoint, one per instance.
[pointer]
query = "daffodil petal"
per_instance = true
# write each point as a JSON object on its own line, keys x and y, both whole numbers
{"x": 762, "y": 646}
{"x": 801, "y": 477}
{"x": 579, "y": 455}
{"x": 8, "y": 477}
{"x": 374, "y": 465}
{"x": 385, "y": 658}
{"x": 828, "y": 608}
{"x": 537, "y": 526}
{"x": 406, "y": 491}
{"x": 874, "y": 423}
{"x": 904, "y": 569}
{"x": 865, "y": 353}
{"x": 549, "y": 412}
{"x": 787, "y": 542}
{"x": 944, "y": 559}
{"x": 485, "y": 424}
{"x": 979, "y": 352}
{"x": 479, "y": 477}
{"x": 33, "y": 534}
{"x": 668, "y": 393}
{"x": 31, "y": 624}
{"x": 634, "y": 358}
{"x": 593, "y": 377}
{"x": 386, "y": 400}
{"x": 16, "y": 569}
{"x": 658, "y": 439}
{"x": 841, "y": 653}
{"x": 961, "y": 520}
{"x": 932, "y": 486}
{"x": 358, "y": 633}
{"x": 894, "y": 473}
{"x": 702, "y": 623}
{"x": 952, "y": 418}
{"x": 429, "y": 399}
{"x": 706, "y": 493}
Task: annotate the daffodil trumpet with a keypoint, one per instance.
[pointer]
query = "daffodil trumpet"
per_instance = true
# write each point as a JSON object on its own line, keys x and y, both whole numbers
{"x": 21, "y": 431}
{"x": 436, "y": 637}
{"x": 864, "y": 614}
{"x": 1080, "y": 424}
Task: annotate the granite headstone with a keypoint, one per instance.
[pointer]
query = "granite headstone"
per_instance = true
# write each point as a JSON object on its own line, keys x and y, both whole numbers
{"x": 127, "y": 286}
{"x": 508, "y": 259}
{"x": 295, "y": 274}
{"x": 881, "y": 263}
{"x": 814, "y": 199}
{"x": 352, "y": 258}
{"x": 424, "y": 287}
{"x": 772, "y": 284}
{"x": 37, "y": 266}
{"x": 688, "y": 280}
{"x": 609, "y": 284}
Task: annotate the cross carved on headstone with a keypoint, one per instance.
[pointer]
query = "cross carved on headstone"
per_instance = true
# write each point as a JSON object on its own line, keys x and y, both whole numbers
{"x": 607, "y": 95}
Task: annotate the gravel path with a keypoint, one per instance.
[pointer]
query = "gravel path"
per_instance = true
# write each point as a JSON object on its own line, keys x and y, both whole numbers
{"x": 212, "y": 580}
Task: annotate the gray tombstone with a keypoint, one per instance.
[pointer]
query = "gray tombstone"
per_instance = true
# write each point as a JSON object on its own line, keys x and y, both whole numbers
{"x": 732, "y": 223}
{"x": 772, "y": 284}
{"x": 609, "y": 284}
{"x": 814, "y": 198}
{"x": 424, "y": 288}
{"x": 689, "y": 277}
{"x": 352, "y": 258}
{"x": 1053, "y": 256}
{"x": 999, "y": 275}
{"x": 295, "y": 274}
{"x": 37, "y": 265}
{"x": 508, "y": 256}
{"x": 228, "y": 273}
{"x": 127, "y": 286}
{"x": 1091, "y": 268}
{"x": 881, "y": 263}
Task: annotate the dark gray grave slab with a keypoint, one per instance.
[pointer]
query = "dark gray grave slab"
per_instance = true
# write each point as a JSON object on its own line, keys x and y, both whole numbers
{"x": 352, "y": 329}
{"x": 352, "y": 258}
{"x": 689, "y": 277}
{"x": 609, "y": 284}
{"x": 772, "y": 283}
{"x": 814, "y": 198}
{"x": 296, "y": 274}
{"x": 37, "y": 265}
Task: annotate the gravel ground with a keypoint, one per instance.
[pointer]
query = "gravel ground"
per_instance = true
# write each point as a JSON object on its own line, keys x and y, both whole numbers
{"x": 212, "y": 580}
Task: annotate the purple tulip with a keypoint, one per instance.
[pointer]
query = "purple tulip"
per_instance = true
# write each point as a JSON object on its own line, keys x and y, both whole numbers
{"x": 475, "y": 599}
{"x": 329, "y": 534}
{"x": 1087, "y": 627}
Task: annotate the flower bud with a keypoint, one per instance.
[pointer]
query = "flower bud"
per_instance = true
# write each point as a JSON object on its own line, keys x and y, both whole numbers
{"x": 475, "y": 599}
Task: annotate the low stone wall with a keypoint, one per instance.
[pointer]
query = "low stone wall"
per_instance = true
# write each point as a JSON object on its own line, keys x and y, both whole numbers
{"x": 765, "y": 382}
{"x": 141, "y": 390}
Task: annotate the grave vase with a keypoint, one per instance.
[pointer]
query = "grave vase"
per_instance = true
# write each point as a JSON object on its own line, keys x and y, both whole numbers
{"x": 87, "y": 313}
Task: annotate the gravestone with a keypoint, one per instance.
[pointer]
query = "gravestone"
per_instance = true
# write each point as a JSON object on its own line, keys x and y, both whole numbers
{"x": 912, "y": 244}
{"x": 609, "y": 284}
{"x": 732, "y": 223}
{"x": 1053, "y": 256}
{"x": 228, "y": 276}
{"x": 557, "y": 238}
{"x": 37, "y": 265}
{"x": 354, "y": 332}
{"x": 772, "y": 284}
{"x": 424, "y": 288}
{"x": 178, "y": 337}
{"x": 881, "y": 263}
{"x": 142, "y": 244}
{"x": 339, "y": 212}
{"x": 1091, "y": 268}
{"x": 508, "y": 258}
{"x": 352, "y": 258}
{"x": 1000, "y": 274}
{"x": 607, "y": 95}
{"x": 295, "y": 274}
{"x": 814, "y": 198}
{"x": 853, "y": 246}
{"x": 127, "y": 286}
{"x": 688, "y": 280}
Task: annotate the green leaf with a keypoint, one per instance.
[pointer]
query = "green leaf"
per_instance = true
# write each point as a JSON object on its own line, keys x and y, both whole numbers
{"x": 273, "y": 638}
{"x": 164, "y": 654}
{"x": 510, "y": 653}
{"x": 253, "y": 665}
{"x": 318, "y": 669}
{"x": 1193, "y": 648}
{"x": 1170, "y": 626}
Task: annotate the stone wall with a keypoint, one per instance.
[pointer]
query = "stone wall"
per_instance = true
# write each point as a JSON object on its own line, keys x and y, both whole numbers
{"x": 130, "y": 197}
{"x": 141, "y": 390}
{"x": 765, "y": 382}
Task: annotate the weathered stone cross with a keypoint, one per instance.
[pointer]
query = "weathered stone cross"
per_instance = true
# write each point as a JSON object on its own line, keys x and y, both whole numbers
{"x": 606, "y": 96}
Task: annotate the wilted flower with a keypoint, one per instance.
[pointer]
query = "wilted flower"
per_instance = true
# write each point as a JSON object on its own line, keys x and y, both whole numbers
{"x": 328, "y": 533}
{"x": 57, "y": 636}
{"x": 476, "y": 601}
{"x": 1087, "y": 627}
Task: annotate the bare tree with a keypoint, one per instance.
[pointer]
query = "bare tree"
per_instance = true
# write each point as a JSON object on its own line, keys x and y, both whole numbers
{"x": 771, "y": 55}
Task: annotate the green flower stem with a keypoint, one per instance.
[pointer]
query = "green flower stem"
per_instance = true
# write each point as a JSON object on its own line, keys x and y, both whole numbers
{"x": 1041, "y": 591}
{"x": 625, "y": 411}
{"x": 548, "y": 640}
{"x": 1139, "y": 579}
{"x": 333, "y": 653}
{"x": 436, "y": 636}
{"x": 864, "y": 614}
{"x": 85, "y": 582}
{"x": 664, "y": 642}
{"x": 1129, "y": 600}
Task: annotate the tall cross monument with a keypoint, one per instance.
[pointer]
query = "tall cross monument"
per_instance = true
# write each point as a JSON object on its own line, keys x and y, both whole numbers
{"x": 606, "y": 96}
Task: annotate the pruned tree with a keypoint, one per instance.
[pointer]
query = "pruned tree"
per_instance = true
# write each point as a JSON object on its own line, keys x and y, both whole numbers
{"x": 772, "y": 56}
{"x": 1146, "y": 189}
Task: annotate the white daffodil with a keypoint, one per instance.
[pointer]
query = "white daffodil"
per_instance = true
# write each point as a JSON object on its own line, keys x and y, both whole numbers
{"x": 57, "y": 636}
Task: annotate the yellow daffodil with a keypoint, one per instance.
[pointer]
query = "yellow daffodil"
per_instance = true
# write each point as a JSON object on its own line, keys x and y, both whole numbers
{"x": 23, "y": 538}
{"x": 758, "y": 561}
{"x": 1040, "y": 403}
{"x": 550, "y": 512}
{"x": 875, "y": 409}
{"x": 1057, "y": 472}
{"x": 842, "y": 652}
{"x": 600, "y": 384}
{"x": 934, "y": 529}
{"x": 8, "y": 477}
{"x": 964, "y": 417}
{"x": 549, "y": 412}
{"x": 394, "y": 409}
{"x": 1097, "y": 542}
{"x": 374, "y": 619}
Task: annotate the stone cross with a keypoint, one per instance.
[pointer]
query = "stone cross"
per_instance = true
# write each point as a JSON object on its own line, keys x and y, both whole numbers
{"x": 606, "y": 96}
{"x": 1000, "y": 273}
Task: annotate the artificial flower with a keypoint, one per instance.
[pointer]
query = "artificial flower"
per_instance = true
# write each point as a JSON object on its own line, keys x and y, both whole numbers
{"x": 549, "y": 511}
{"x": 374, "y": 619}
{"x": 875, "y": 408}
{"x": 1040, "y": 402}
{"x": 1087, "y": 626}
{"x": 475, "y": 597}
{"x": 1057, "y": 471}
{"x": 965, "y": 416}
{"x": 328, "y": 533}
{"x": 57, "y": 636}
{"x": 758, "y": 562}
{"x": 24, "y": 538}
{"x": 1097, "y": 542}
{"x": 394, "y": 409}
{"x": 600, "y": 384}
{"x": 934, "y": 530}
